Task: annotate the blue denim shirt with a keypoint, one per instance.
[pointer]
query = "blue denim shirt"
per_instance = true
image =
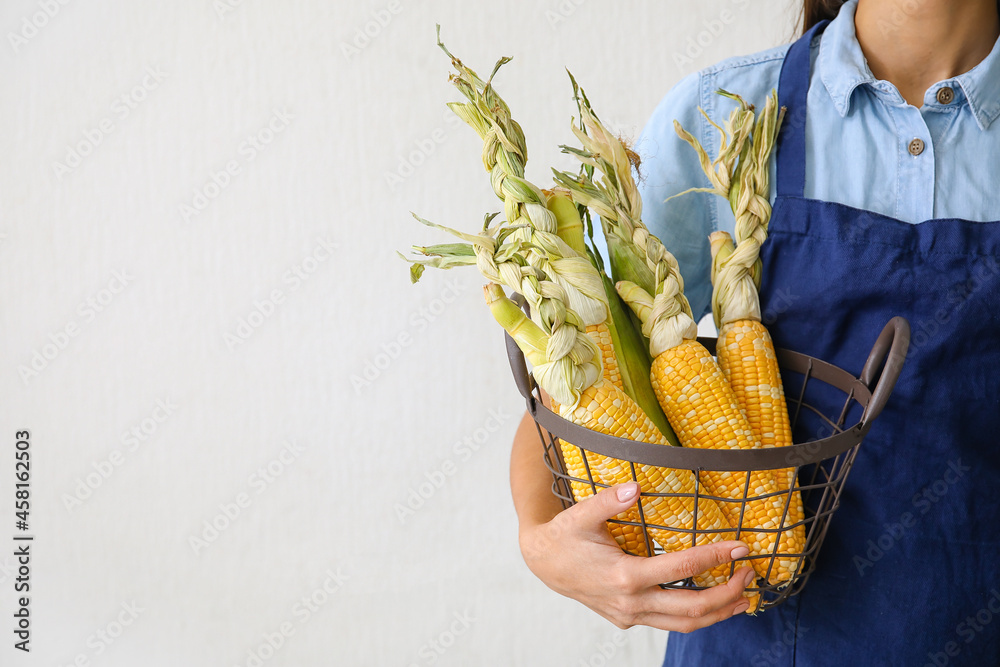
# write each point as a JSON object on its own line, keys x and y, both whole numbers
{"x": 858, "y": 135}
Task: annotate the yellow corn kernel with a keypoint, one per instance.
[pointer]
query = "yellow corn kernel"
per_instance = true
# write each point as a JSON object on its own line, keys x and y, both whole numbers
{"x": 629, "y": 538}
{"x": 601, "y": 336}
{"x": 748, "y": 361}
{"x": 704, "y": 413}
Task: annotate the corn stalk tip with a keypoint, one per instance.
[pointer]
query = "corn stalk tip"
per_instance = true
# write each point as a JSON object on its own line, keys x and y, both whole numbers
{"x": 490, "y": 290}
{"x": 736, "y": 98}
{"x": 422, "y": 221}
{"x": 575, "y": 85}
{"x": 444, "y": 48}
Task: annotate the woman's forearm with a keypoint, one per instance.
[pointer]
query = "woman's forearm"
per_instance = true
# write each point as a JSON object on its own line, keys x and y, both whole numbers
{"x": 530, "y": 480}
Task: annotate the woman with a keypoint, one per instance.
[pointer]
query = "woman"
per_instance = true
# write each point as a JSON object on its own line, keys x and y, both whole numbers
{"x": 885, "y": 203}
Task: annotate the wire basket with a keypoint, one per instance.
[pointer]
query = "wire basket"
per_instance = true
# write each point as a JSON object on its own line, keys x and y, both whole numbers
{"x": 831, "y": 412}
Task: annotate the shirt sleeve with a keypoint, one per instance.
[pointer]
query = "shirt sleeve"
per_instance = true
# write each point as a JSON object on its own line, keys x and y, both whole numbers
{"x": 670, "y": 166}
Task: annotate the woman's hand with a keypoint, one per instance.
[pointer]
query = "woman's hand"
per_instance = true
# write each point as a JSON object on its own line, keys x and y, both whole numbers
{"x": 574, "y": 555}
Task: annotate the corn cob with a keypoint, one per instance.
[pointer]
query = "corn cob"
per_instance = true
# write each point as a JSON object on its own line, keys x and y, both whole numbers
{"x": 569, "y": 227}
{"x": 629, "y": 537}
{"x": 747, "y": 357}
{"x": 630, "y": 358}
{"x": 745, "y": 349}
{"x": 704, "y": 413}
{"x": 604, "y": 408}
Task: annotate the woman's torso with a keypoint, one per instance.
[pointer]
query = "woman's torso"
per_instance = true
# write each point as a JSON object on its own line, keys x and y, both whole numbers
{"x": 924, "y": 478}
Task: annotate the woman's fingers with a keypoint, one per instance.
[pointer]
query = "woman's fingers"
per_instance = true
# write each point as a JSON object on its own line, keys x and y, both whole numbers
{"x": 688, "y": 563}
{"x": 685, "y": 624}
{"x": 679, "y": 610}
{"x": 645, "y": 603}
{"x": 606, "y": 504}
{"x": 712, "y": 603}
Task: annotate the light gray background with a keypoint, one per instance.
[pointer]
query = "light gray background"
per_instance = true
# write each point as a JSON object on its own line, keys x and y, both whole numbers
{"x": 162, "y": 98}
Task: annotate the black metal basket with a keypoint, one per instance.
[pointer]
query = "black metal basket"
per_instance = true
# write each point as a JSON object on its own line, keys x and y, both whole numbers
{"x": 822, "y": 399}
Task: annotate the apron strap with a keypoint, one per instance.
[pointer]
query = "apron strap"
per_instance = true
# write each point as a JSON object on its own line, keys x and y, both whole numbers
{"x": 793, "y": 89}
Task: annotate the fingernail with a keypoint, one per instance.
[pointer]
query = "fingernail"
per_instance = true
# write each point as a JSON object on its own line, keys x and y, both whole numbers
{"x": 741, "y": 608}
{"x": 748, "y": 579}
{"x": 739, "y": 552}
{"x": 627, "y": 492}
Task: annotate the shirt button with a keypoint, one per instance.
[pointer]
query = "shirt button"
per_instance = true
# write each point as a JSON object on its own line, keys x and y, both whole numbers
{"x": 945, "y": 95}
{"x": 916, "y": 147}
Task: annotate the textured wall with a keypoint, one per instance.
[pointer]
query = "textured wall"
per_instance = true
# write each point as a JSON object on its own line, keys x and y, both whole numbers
{"x": 230, "y": 384}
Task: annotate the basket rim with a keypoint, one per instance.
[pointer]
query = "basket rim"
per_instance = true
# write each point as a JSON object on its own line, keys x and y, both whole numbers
{"x": 895, "y": 333}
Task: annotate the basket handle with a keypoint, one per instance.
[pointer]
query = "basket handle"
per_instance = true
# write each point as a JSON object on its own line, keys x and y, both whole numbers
{"x": 890, "y": 350}
{"x": 519, "y": 368}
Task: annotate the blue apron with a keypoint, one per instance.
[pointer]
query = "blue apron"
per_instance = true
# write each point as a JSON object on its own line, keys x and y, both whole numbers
{"x": 909, "y": 573}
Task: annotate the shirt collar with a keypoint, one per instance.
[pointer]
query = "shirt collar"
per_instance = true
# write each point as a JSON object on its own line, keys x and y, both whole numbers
{"x": 981, "y": 85}
{"x": 843, "y": 68}
{"x": 841, "y": 63}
